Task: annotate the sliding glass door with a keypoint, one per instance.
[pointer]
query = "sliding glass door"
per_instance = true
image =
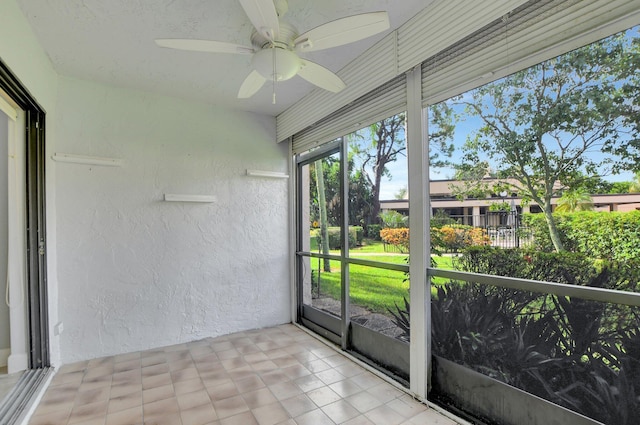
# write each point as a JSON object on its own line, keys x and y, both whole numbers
{"x": 352, "y": 253}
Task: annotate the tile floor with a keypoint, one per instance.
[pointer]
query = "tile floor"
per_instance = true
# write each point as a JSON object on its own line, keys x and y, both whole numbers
{"x": 271, "y": 376}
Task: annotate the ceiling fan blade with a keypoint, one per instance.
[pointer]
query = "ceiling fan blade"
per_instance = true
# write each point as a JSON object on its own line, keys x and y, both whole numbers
{"x": 263, "y": 16}
{"x": 251, "y": 85}
{"x": 320, "y": 76}
{"x": 208, "y": 46}
{"x": 342, "y": 31}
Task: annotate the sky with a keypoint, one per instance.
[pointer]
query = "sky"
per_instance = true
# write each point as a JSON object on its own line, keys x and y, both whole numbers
{"x": 398, "y": 169}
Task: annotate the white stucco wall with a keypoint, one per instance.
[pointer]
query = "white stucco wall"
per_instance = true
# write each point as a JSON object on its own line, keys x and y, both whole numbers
{"x": 5, "y": 341}
{"x": 135, "y": 272}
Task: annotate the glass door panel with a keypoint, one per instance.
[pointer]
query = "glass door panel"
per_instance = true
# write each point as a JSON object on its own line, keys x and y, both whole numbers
{"x": 320, "y": 241}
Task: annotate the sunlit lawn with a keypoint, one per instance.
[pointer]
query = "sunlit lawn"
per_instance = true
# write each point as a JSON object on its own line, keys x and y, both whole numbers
{"x": 376, "y": 289}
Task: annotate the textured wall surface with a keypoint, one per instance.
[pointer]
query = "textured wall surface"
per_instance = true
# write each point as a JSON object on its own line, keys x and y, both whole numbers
{"x": 135, "y": 272}
{"x": 5, "y": 341}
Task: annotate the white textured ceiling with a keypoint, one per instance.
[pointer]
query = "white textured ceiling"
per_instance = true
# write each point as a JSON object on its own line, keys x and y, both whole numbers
{"x": 112, "y": 41}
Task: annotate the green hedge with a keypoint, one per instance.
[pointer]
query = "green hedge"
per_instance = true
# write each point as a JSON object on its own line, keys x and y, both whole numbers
{"x": 373, "y": 232}
{"x": 606, "y": 235}
{"x": 356, "y": 234}
{"x": 573, "y": 268}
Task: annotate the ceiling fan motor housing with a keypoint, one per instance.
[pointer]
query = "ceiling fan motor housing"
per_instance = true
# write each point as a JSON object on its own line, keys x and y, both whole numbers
{"x": 287, "y": 63}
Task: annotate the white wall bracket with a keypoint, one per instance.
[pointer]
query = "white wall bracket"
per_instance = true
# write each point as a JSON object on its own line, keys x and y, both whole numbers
{"x": 170, "y": 197}
{"x": 87, "y": 160}
{"x": 270, "y": 174}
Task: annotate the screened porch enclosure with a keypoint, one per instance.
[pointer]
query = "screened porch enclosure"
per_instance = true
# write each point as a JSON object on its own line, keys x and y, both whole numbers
{"x": 504, "y": 318}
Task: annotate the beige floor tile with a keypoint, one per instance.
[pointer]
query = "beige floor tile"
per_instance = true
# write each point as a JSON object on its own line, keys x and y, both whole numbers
{"x": 129, "y": 416}
{"x": 245, "y": 418}
{"x": 84, "y": 412}
{"x": 323, "y": 396}
{"x": 270, "y": 414}
{"x": 340, "y": 411}
{"x": 275, "y": 376}
{"x": 222, "y": 391}
{"x": 362, "y": 420}
{"x": 197, "y": 398}
{"x": 285, "y": 390}
{"x": 128, "y": 401}
{"x": 345, "y": 388}
{"x": 407, "y": 406}
{"x": 230, "y": 406}
{"x": 309, "y": 383}
{"x": 198, "y": 415}
{"x": 259, "y": 398}
{"x": 384, "y": 415}
{"x": 298, "y": 405}
{"x": 315, "y": 417}
{"x": 125, "y": 388}
{"x": 159, "y": 393}
{"x": 155, "y": 381}
{"x": 92, "y": 396}
{"x": 364, "y": 401}
{"x": 161, "y": 408}
{"x": 189, "y": 386}
{"x": 248, "y": 384}
{"x": 55, "y": 417}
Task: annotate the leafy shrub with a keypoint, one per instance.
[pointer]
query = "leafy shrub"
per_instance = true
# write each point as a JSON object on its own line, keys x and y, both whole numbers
{"x": 393, "y": 219}
{"x": 373, "y": 231}
{"x": 572, "y": 268}
{"x": 453, "y": 238}
{"x": 607, "y": 235}
{"x": 356, "y": 235}
{"x": 579, "y": 354}
{"x": 398, "y": 237}
{"x": 441, "y": 218}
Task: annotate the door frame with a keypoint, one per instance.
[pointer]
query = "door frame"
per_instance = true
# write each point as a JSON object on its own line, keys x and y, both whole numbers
{"x": 35, "y": 223}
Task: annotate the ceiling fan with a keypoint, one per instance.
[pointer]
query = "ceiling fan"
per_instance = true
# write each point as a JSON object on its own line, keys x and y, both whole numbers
{"x": 276, "y": 45}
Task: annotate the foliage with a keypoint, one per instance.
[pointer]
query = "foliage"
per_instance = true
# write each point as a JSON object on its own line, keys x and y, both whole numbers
{"x": 620, "y": 187}
{"x": 499, "y": 207}
{"x": 401, "y": 193}
{"x": 575, "y": 200}
{"x": 579, "y": 354}
{"x": 539, "y": 124}
{"x": 453, "y": 238}
{"x": 356, "y": 235}
{"x": 359, "y": 192}
{"x": 398, "y": 237}
{"x": 373, "y": 232}
{"x": 634, "y": 186}
{"x": 393, "y": 219}
{"x": 402, "y": 319}
{"x": 441, "y": 218}
{"x": 607, "y": 235}
{"x": 375, "y": 147}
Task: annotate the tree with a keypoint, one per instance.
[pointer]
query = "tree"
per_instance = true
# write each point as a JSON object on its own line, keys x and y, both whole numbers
{"x": 375, "y": 147}
{"x": 541, "y": 125}
{"x": 382, "y": 142}
{"x": 575, "y": 200}
{"x": 401, "y": 193}
{"x": 322, "y": 205}
{"x": 634, "y": 186}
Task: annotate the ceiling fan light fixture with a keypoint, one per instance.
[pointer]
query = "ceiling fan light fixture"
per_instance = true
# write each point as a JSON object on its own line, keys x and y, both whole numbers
{"x": 287, "y": 63}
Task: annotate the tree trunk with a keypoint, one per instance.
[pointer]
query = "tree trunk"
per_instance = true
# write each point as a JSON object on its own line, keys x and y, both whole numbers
{"x": 322, "y": 207}
{"x": 554, "y": 234}
{"x": 375, "y": 195}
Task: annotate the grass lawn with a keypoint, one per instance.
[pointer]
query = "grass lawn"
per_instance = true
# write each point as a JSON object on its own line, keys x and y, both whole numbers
{"x": 376, "y": 289}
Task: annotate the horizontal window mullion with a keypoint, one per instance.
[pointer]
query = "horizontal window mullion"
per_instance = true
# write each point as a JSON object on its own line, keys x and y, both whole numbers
{"x": 560, "y": 289}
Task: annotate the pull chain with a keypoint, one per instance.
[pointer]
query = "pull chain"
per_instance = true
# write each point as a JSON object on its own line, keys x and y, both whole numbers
{"x": 274, "y": 76}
